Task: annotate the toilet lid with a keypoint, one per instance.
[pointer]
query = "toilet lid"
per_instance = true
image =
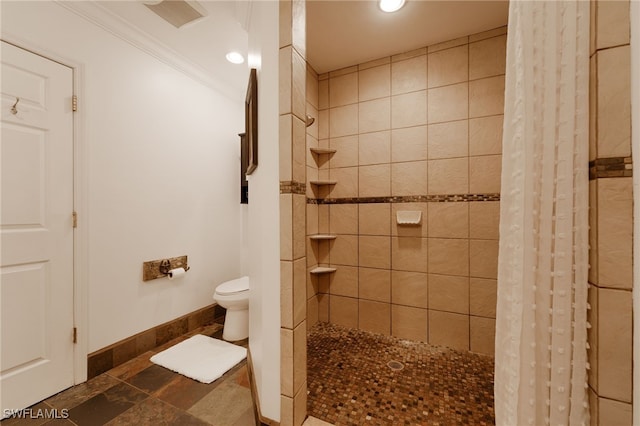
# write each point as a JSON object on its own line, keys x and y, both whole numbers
{"x": 234, "y": 286}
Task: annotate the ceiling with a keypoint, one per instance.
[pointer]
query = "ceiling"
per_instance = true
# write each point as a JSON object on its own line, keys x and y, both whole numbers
{"x": 344, "y": 33}
{"x": 339, "y": 33}
{"x": 202, "y": 43}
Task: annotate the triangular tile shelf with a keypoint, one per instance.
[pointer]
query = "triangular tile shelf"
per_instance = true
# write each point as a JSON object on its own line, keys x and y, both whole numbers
{"x": 322, "y": 270}
{"x": 321, "y": 151}
{"x": 322, "y": 182}
{"x": 323, "y": 237}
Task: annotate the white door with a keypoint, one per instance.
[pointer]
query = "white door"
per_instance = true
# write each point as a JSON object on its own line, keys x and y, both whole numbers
{"x": 36, "y": 207}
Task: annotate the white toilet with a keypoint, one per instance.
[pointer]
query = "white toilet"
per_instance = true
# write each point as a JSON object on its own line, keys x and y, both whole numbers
{"x": 234, "y": 296}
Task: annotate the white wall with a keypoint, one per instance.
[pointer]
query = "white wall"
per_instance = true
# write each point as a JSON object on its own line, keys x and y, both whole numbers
{"x": 161, "y": 155}
{"x": 263, "y": 212}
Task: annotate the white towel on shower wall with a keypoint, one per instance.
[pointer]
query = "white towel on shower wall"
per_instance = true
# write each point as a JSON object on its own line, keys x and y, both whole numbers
{"x": 201, "y": 358}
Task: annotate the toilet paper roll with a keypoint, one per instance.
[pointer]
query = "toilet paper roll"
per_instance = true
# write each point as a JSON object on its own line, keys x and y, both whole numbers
{"x": 176, "y": 273}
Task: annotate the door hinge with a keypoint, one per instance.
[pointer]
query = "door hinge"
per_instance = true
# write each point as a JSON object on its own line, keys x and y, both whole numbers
{"x": 74, "y": 103}
{"x": 75, "y": 335}
{"x": 75, "y": 219}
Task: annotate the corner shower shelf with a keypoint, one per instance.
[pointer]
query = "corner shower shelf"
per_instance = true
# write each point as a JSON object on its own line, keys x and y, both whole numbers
{"x": 322, "y": 151}
{"x": 322, "y": 237}
{"x": 322, "y": 270}
{"x": 322, "y": 182}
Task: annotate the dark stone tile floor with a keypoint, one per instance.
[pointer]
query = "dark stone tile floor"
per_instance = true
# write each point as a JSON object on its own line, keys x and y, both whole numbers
{"x": 140, "y": 393}
{"x": 350, "y": 383}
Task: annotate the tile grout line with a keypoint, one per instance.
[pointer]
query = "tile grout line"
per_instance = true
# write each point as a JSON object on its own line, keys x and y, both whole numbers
{"x": 359, "y": 189}
{"x": 469, "y": 189}
{"x": 329, "y": 163}
{"x": 391, "y": 283}
{"x": 428, "y": 327}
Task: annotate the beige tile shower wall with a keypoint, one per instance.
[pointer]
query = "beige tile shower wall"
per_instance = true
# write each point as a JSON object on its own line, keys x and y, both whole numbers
{"x": 611, "y": 220}
{"x": 293, "y": 262}
{"x": 421, "y": 123}
{"x": 313, "y": 162}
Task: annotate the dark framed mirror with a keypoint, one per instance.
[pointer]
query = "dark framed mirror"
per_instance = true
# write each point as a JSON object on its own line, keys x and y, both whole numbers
{"x": 251, "y": 122}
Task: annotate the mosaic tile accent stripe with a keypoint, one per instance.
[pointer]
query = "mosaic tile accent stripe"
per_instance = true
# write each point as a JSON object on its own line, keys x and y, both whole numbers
{"x": 445, "y": 198}
{"x": 610, "y": 167}
{"x": 293, "y": 187}
{"x": 352, "y": 383}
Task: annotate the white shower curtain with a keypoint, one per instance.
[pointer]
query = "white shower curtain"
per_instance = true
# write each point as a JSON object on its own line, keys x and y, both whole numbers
{"x": 541, "y": 326}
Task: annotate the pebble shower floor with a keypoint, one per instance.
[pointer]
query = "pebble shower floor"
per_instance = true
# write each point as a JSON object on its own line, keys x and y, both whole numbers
{"x": 351, "y": 383}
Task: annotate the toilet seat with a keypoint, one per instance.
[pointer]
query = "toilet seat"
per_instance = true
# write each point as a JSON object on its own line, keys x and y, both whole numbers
{"x": 232, "y": 287}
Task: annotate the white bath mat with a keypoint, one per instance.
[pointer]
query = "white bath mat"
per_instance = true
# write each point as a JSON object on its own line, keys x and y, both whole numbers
{"x": 201, "y": 358}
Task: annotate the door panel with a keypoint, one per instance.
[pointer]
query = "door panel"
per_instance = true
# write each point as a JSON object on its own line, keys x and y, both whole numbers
{"x": 26, "y": 84}
{"x": 24, "y": 285}
{"x": 22, "y": 158}
{"x": 36, "y": 228}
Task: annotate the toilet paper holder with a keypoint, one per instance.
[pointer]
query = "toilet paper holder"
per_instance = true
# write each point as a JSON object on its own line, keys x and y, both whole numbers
{"x": 160, "y": 268}
{"x": 165, "y": 267}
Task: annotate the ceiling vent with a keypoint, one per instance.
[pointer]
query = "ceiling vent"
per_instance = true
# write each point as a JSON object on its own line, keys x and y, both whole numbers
{"x": 177, "y": 12}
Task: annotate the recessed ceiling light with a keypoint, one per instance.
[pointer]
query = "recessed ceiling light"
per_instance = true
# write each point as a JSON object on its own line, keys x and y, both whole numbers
{"x": 235, "y": 58}
{"x": 390, "y": 5}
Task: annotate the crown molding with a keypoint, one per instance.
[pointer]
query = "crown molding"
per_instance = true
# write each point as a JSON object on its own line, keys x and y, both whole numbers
{"x": 243, "y": 13}
{"x": 119, "y": 27}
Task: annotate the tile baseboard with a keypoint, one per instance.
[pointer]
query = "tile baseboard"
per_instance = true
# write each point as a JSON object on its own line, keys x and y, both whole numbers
{"x": 120, "y": 352}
